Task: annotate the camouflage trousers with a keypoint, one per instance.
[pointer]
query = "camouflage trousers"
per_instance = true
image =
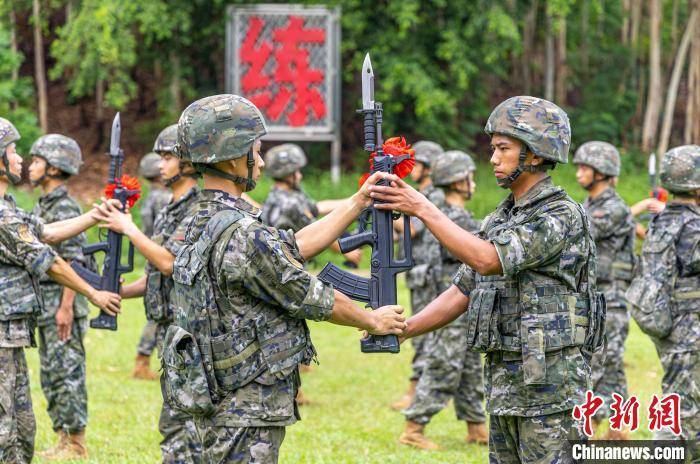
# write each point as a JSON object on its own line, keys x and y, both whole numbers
{"x": 682, "y": 376}
{"x": 450, "y": 370}
{"x": 147, "y": 342}
{"x": 17, "y": 423}
{"x": 420, "y": 297}
{"x": 62, "y": 376}
{"x": 181, "y": 443}
{"x": 242, "y": 445}
{"x": 608, "y": 372}
{"x": 530, "y": 440}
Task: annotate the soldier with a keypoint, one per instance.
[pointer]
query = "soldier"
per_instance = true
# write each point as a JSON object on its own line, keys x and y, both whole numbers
{"x": 426, "y": 257}
{"x": 287, "y": 206}
{"x": 613, "y": 230}
{"x": 665, "y": 295}
{"x": 63, "y": 323}
{"x": 180, "y": 442}
{"x": 242, "y": 296}
{"x": 157, "y": 199}
{"x": 24, "y": 259}
{"x": 450, "y": 369}
{"x": 528, "y": 285}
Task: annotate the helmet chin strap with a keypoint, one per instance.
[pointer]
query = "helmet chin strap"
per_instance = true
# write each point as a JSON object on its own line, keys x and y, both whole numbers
{"x": 506, "y": 182}
{"x": 248, "y": 183}
{"x": 180, "y": 174}
{"x": 14, "y": 179}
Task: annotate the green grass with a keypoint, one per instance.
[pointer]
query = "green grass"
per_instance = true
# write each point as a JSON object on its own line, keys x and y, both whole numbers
{"x": 349, "y": 420}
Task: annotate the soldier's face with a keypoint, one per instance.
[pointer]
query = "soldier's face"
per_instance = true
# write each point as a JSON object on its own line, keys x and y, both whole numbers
{"x": 259, "y": 163}
{"x": 169, "y": 166}
{"x": 419, "y": 171}
{"x": 14, "y": 160}
{"x": 37, "y": 169}
{"x": 585, "y": 175}
{"x": 505, "y": 155}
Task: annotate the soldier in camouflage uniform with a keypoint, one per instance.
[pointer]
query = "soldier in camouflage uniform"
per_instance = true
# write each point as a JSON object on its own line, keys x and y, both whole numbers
{"x": 24, "y": 259}
{"x": 63, "y": 324}
{"x": 180, "y": 443}
{"x": 450, "y": 370}
{"x": 665, "y": 291}
{"x": 612, "y": 227}
{"x": 421, "y": 279}
{"x": 157, "y": 199}
{"x": 241, "y": 294}
{"x": 527, "y": 286}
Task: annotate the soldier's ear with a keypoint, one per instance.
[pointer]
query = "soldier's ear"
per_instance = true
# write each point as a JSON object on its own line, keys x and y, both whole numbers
{"x": 536, "y": 160}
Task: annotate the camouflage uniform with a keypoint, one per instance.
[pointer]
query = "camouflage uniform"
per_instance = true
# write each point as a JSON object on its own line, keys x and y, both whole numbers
{"x": 665, "y": 295}
{"x": 612, "y": 228}
{"x": 23, "y": 261}
{"x": 539, "y": 321}
{"x": 156, "y": 200}
{"x": 63, "y": 362}
{"x": 181, "y": 443}
{"x": 450, "y": 370}
{"x": 422, "y": 279}
{"x": 288, "y": 209}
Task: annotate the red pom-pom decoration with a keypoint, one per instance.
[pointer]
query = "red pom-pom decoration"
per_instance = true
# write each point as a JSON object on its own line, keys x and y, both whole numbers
{"x": 129, "y": 183}
{"x": 394, "y": 146}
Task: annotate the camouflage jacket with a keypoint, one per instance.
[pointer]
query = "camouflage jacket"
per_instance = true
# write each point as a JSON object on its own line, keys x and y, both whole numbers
{"x": 23, "y": 261}
{"x": 288, "y": 209}
{"x": 168, "y": 232}
{"x": 449, "y": 264}
{"x": 153, "y": 204}
{"x": 259, "y": 273}
{"x": 52, "y": 207}
{"x": 612, "y": 228}
{"x": 678, "y": 223}
{"x": 426, "y": 249}
{"x": 536, "y": 312}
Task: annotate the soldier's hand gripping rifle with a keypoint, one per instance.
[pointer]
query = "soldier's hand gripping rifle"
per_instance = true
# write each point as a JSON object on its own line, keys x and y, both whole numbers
{"x": 375, "y": 229}
{"x": 112, "y": 267}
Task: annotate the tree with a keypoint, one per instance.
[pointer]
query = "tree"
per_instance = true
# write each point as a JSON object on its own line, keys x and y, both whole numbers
{"x": 39, "y": 71}
{"x": 651, "y": 115}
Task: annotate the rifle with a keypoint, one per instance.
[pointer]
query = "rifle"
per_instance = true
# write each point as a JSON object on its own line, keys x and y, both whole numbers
{"x": 112, "y": 268}
{"x": 375, "y": 229}
{"x": 657, "y": 192}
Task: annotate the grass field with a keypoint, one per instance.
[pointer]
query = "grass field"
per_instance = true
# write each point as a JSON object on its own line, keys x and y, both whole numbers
{"x": 349, "y": 420}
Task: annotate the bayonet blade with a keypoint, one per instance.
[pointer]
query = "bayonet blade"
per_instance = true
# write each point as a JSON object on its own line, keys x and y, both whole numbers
{"x": 367, "y": 84}
{"x": 652, "y": 164}
{"x": 116, "y": 135}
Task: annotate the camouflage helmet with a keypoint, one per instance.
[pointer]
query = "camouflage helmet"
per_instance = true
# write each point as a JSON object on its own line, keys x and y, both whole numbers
{"x": 59, "y": 151}
{"x": 538, "y": 123}
{"x": 601, "y": 156}
{"x": 165, "y": 142}
{"x": 218, "y": 128}
{"x": 8, "y": 134}
{"x": 149, "y": 166}
{"x": 451, "y": 166}
{"x": 426, "y": 151}
{"x": 680, "y": 169}
{"x": 283, "y": 160}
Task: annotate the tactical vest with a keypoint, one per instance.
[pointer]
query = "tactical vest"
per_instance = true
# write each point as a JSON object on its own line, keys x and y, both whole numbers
{"x": 527, "y": 316}
{"x": 204, "y": 356}
{"x": 20, "y": 297}
{"x": 657, "y": 293}
{"x": 618, "y": 265}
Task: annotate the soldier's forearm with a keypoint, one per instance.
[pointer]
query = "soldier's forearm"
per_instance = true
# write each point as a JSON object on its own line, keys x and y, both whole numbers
{"x": 57, "y": 232}
{"x": 68, "y": 296}
{"x": 62, "y": 273}
{"x": 345, "y": 312}
{"x": 447, "y": 307}
{"x": 326, "y": 206}
{"x": 135, "y": 289}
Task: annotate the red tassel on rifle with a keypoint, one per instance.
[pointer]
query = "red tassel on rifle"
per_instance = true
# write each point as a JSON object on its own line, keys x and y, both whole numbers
{"x": 129, "y": 183}
{"x": 395, "y": 146}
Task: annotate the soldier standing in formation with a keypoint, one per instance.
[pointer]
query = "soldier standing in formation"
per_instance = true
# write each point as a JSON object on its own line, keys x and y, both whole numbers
{"x": 528, "y": 285}
{"x": 421, "y": 279}
{"x": 665, "y": 291}
{"x": 613, "y": 230}
{"x": 156, "y": 200}
{"x": 63, "y": 323}
{"x": 242, "y": 296}
{"x": 450, "y": 370}
{"x": 24, "y": 259}
{"x": 180, "y": 442}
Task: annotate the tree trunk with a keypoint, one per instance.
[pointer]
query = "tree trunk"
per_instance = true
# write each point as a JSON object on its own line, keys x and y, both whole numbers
{"x": 561, "y": 73}
{"x": 529, "y": 28}
{"x": 678, "y": 65}
{"x": 175, "y": 84}
{"x": 585, "y": 19}
{"x": 651, "y": 115}
{"x": 674, "y": 25}
{"x": 549, "y": 60}
{"x": 634, "y": 26}
{"x": 691, "y": 133}
{"x": 625, "y": 31}
{"x": 99, "y": 111}
{"x": 39, "y": 71}
{"x": 13, "y": 48}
